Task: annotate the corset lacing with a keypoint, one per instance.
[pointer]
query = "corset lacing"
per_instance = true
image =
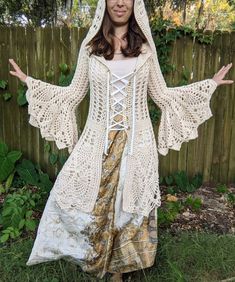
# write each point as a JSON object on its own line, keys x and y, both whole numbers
{"x": 118, "y": 107}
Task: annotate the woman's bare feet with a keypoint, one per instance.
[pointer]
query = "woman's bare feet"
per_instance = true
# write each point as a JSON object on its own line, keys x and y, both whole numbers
{"x": 116, "y": 277}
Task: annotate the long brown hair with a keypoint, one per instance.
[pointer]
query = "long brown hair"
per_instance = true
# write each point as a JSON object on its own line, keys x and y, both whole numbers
{"x": 103, "y": 42}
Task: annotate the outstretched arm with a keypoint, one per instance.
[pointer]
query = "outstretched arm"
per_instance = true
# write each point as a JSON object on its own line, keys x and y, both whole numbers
{"x": 52, "y": 107}
{"x": 183, "y": 108}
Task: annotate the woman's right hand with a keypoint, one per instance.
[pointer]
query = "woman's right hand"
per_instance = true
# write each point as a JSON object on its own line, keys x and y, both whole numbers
{"x": 18, "y": 72}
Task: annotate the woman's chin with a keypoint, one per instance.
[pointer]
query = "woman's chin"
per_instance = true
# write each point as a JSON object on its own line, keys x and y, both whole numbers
{"x": 119, "y": 20}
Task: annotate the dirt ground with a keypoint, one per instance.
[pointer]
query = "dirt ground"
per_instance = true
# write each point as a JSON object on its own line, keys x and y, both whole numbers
{"x": 216, "y": 213}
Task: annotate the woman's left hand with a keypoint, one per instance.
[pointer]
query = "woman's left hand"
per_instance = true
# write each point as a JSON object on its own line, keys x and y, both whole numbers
{"x": 219, "y": 76}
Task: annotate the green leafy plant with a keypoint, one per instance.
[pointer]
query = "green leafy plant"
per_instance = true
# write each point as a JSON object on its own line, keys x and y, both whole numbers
{"x": 183, "y": 182}
{"x": 197, "y": 180}
{"x": 169, "y": 180}
{"x": 54, "y": 157}
{"x": 3, "y": 84}
{"x": 222, "y": 188}
{"x": 64, "y": 68}
{"x": 47, "y": 147}
{"x": 66, "y": 75}
{"x": 8, "y": 160}
{"x": 231, "y": 198}
{"x": 193, "y": 203}
{"x": 33, "y": 175}
{"x": 16, "y": 213}
{"x": 6, "y": 95}
{"x": 9, "y": 232}
{"x": 26, "y": 187}
{"x": 171, "y": 190}
{"x": 169, "y": 213}
{"x": 50, "y": 74}
{"x": 179, "y": 181}
{"x": 21, "y": 98}
{"x": 164, "y": 38}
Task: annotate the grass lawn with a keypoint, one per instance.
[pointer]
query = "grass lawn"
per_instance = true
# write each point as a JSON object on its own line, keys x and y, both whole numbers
{"x": 189, "y": 256}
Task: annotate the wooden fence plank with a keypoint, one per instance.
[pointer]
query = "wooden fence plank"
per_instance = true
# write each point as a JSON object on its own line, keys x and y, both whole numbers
{"x": 217, "y": 112}
{"x": 208, "y": 134}
{"x": 231, "y": 98}
{"x": 226, "y": 121}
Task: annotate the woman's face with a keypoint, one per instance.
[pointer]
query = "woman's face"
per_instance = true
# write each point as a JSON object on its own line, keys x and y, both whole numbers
{"x": 120, "y": 10}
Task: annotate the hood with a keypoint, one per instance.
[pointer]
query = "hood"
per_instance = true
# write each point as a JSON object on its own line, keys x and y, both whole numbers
{"x": 141, "y": 17}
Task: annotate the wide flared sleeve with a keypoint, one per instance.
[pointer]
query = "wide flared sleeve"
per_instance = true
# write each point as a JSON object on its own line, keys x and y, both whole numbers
{"x": 52, "y": 108}
{"x": 183, "y": 108}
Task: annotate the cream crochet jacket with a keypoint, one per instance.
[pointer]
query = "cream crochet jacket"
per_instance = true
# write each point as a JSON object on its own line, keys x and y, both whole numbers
{"x": 52, "y": 109}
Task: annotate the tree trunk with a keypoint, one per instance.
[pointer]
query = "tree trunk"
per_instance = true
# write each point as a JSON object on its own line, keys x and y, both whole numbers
{"x": 200, "y": 13}
{"x": 184, "y": 11}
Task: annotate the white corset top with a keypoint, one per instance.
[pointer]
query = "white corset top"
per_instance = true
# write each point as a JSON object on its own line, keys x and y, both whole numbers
{"x": 121, "y": 71}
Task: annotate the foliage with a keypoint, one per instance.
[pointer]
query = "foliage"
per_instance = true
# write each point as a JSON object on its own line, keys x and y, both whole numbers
{"x": 169, "y": 213}
{"x": 223, "y": 189}
{"x": 35, "y": 13}
{"x": 217, "y": 14}
{"x": 54, "y": 158}
{"x": 20, "y": 200}
{"x": 193, "y": 203}
{"x": 3, "y": 86}
{"x": 66, "y": 75}
{"x": 7, "y": 161}
{"x": 32, "y": 174}
{"x": 182, "y": 182}
{"x": 171, "y": 208}
{"x": 231, "y": 198}
{"x": 81, "y": 14}
{"x": 21, "y": 98}
{"x": 16, "y": 213}
{"x": 165, "y": 32}
{"x": 163, "y": 38}
{"x": 206, "y": 15}
{"x": 28, "y": 172}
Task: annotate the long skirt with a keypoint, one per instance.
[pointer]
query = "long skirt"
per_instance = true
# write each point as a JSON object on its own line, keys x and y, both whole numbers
{"x": 107, "y": 239}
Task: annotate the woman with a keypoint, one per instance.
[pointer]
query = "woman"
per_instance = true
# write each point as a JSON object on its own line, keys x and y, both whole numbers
{"x": 101, "y": 212}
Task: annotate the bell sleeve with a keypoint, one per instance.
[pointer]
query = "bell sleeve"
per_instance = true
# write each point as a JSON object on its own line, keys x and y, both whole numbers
{"x": 52, "y": 108}
{"x": 183, "y": 108}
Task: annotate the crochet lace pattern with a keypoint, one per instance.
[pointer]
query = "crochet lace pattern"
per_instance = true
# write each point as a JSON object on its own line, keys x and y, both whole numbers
{"x": 52, "y": 109}
{"x": 183, "y": 109}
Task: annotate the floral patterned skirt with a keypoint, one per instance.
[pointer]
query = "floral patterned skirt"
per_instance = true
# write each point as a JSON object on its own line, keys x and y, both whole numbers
{"x": 107, "y": 239}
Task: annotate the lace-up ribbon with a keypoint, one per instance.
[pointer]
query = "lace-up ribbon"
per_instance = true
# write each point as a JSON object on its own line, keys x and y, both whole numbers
{"x": 118, "y": 107}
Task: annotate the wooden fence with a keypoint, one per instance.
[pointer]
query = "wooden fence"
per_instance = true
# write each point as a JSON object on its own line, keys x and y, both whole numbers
{"x": 39, "y": 50}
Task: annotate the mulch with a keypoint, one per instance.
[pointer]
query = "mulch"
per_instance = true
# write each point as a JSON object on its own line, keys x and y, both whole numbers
{"x": 216, "y": 214}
